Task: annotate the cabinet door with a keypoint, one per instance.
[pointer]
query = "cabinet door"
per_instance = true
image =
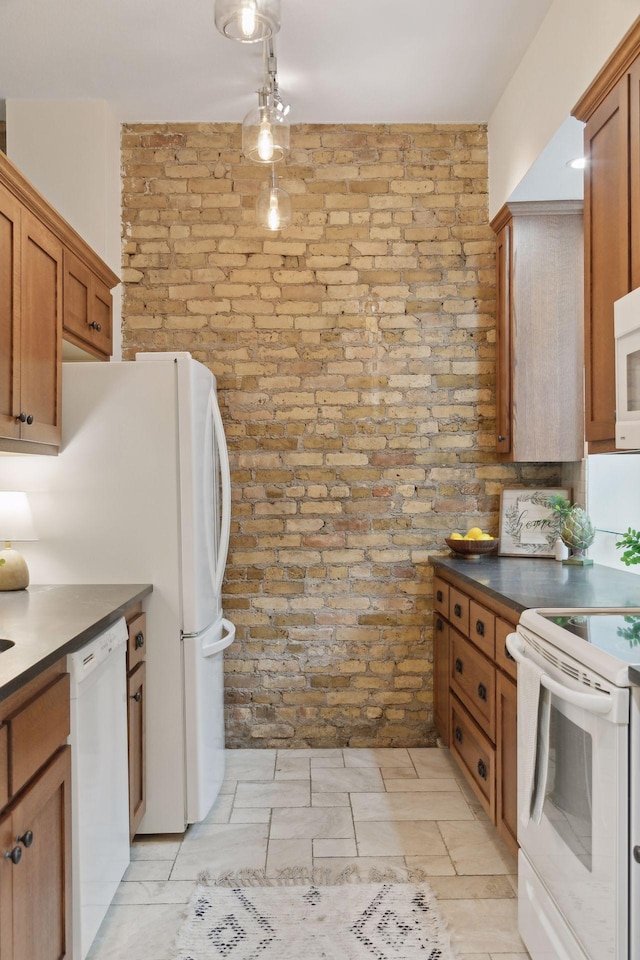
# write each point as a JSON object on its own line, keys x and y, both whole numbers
{"x": 10, "y": 211}
{"x": 507, "y": 768}
{"x": 607, "y": 256}
{"x": 136, "y": 715}
{"x": 441, "y": 677}
{"x": 503, "y": 339}
{"x": 35, "y": 893}
{"x": 87, "y": 308}
{"x": 40, "y": 332}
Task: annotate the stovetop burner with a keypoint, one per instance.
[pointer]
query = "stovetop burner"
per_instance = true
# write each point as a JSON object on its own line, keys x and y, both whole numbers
{"x": 617, "y": 634}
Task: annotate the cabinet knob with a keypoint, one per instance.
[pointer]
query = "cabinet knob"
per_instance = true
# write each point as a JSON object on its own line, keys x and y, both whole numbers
{"x": 21, "y": 418}
{"x": 458, "y": 665}
{"x": 14, "y": 855}
{"x": 458, "y": 734}
{"x": 137, "y": 696}
{"x": 439, "y": 596}
{"x": 27, "y": 838}
{"x": 500, "y": 438}
{"x": 482, "y": 769}
{"x": 482, "y": 691}
{"x": 480, "y": 628}
{"x": 139, "y": 641}
{"x": 439, "y": 625}
{"x": 96, "y": 326}
{"x": 30, "y": 419}
{"x": 457, "y": 609}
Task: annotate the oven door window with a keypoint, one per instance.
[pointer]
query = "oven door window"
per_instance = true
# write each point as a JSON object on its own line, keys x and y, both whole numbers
{"x": 568, "y": 798}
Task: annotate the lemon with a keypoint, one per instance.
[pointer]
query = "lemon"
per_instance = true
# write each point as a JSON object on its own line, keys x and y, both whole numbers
{"x": 455, "y": 536}
{"x": 474, "y": 534}
{"x": 486, "y": 536}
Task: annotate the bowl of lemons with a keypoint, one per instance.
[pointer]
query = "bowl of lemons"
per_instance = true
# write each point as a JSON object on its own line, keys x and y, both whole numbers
{"x": 473, "y": 544}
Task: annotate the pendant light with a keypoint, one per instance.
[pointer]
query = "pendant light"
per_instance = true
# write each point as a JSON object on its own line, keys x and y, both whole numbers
{"x": 247, "y": 21}
{"x": 273, "y": 206}
{"x": 265, "y": 130}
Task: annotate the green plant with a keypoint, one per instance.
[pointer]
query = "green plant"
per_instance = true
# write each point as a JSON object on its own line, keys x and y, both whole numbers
{"x": 561, "y": 505}
{"x": 630, "y": 541}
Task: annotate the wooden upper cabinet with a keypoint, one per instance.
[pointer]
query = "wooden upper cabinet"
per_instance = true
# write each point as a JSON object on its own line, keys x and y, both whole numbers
{"x": 539, "y": 331}
{"x": 610, "y": 109}
{"x": 52, "y": 286}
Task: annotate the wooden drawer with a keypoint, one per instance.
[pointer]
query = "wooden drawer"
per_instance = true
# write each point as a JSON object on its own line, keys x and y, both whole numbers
{"x": 441, "y": 596}
{"x": 503, "y": 658}
{"x": 475, "y": 755}
{"x": 473, "y": 678}
{"x": 137, "y": 643}
{"x": 482, "y": 628}
{"x": 459, "y": 611}
{"x": 4, "y": 769}
{"x": 136, "y": 690}
{"x": 36, "y": 731}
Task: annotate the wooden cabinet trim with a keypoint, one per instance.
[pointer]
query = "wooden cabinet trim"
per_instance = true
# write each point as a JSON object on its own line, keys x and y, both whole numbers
{"x": 4, "y": 768}
{"x": 32, "y": 199}
{"x": 137, "y": 641}
{"x": 506, "y": 761}
{"x": 136, "y": 697}
{"x": 36, "y": 731}
{"x": 479, "y": 595}
{"x": 613, "y": 70}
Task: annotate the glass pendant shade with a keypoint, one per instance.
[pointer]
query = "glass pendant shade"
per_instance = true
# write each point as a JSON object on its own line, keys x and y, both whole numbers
{"x": 273, "y": 208}
{"x": 265, "y": 135}
{"x": 248, "y": 21}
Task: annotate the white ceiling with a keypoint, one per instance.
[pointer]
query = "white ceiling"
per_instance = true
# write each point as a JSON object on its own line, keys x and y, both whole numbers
{"x": 338, "y": 60}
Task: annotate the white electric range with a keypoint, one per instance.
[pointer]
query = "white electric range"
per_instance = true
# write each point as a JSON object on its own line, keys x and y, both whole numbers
{"x": 579, "y": 782}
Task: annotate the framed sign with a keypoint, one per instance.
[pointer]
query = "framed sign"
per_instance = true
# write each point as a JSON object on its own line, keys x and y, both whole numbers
{"x": 529, "y": 527}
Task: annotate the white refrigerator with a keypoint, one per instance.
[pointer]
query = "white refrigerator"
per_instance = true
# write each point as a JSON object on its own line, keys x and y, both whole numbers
{"x": 141, "y": 493}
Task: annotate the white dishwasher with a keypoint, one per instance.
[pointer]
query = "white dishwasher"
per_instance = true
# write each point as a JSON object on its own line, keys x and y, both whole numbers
{"x": 99, "y": 779}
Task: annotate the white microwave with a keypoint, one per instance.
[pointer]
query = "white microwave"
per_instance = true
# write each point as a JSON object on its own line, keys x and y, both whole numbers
{"x": 627, "y": 340}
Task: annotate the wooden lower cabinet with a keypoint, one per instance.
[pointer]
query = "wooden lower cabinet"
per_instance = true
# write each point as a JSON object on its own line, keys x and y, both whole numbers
{"x": 136, "y": 710}
{"x": 475, "y": 701}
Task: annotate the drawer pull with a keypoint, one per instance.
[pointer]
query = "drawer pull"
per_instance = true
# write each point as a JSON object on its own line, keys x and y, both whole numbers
{"x": 96, "y": 326}
{"x": 439, "y": 596}
{"x": 508, "y": 655}
{"x": 21, "y": 418}
{"x": 480, "y": 628}
{"x": 457, "y": 609}
{"x": 482, "y": 769}
{"x": 14, "y": 855}
{"x": 458, "y": 734}
{"x": 458, "y": 665}
{"x": 439, "y": 625}
{"x": 27, "y": 838}
{"x": 139, "y": 641}
{"x": 137, "y": 696}
{"x": 482, "y": 692}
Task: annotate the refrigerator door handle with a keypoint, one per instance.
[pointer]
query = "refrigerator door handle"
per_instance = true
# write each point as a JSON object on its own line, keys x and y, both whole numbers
{"x": 227, "y": 638}
{"x": 225, "y": 482}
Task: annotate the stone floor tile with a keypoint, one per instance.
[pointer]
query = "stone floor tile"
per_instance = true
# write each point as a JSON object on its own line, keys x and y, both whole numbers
{"x": 399, "y": 839}
{"x": 430, "y": 785}
{"x": 311, "y": 752}
{"x": 369, "y": 868}
{"x": 432, "y": 866}
{"x": 221, "y": 810}
{"x": 287, "y": 793}
{"x": 138, "y": 932}
{"x": 398, "y": 773}
{"x": 472, "y": 888}
{"x": 329, "y": 823}
{"x": 330, "y": 800}
{"x": 250, "y": 764}
{"x": 290, "y": 767}
{"x": 156, "y": 847}
{"x": 220, "y": 848}
{"x": 148, "y": 870}
{"x": 483, "y": 926}
{"x": 334, "y": 848}
{"x": 349, "y": 780}
{"x": 228, "y": 786}
{"x": 410, "y": 806}
{"x": 145, "y": 892}
{"x": 475, "y": 848}
{"x": 377, "y": 757}
{"x": 251, "y": 815}
{"x": 288, "y": 854}
{"x": 434, "y": 762}
{"x": 327, "y": 762}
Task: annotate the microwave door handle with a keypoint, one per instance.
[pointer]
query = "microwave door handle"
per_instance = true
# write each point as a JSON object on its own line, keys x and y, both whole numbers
{"x": 599, "y": 703}
{"x": 225, "y": 481}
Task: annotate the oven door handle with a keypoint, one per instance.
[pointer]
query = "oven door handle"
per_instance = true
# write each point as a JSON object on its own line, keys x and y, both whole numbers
{"x": 599, "y": 703}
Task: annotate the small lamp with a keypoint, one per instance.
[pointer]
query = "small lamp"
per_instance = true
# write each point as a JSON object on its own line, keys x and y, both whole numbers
{"x": 248, "y": 21}
{"x": 273, "y": 205}
{"x": 265, "y": 132}
{"x": 16, "y": 523}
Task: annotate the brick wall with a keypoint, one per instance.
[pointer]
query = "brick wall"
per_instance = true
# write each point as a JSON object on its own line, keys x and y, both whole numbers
{"x": 355, "y": 359}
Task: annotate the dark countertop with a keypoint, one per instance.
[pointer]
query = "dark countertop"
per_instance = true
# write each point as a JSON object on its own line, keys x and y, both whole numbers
{"x": 523, "y": 582}
{"x": 48, "y": 622}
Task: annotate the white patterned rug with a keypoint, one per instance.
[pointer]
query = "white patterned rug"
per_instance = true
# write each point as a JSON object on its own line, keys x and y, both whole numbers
{"x": 309, "y": 921}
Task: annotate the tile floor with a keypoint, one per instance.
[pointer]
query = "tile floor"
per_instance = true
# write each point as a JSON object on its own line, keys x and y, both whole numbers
{"x": 331, "y": 808}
